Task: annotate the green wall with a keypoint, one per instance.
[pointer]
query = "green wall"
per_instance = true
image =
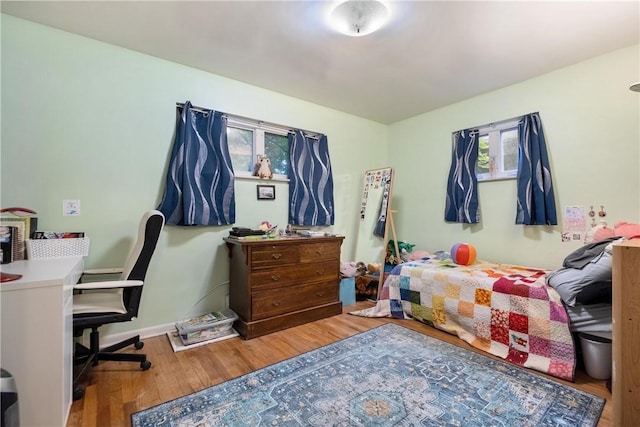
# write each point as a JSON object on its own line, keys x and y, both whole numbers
{"x": 591, "y": 122}
{"x": 91, "y": 121}
{"x": 86, "y": 120}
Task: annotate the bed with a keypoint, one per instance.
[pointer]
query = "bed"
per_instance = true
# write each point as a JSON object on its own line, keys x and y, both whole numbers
{"x": 505, "y": 310}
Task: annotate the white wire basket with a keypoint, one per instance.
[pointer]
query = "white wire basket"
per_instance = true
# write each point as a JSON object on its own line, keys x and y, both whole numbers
{"x": 57, "y": 248}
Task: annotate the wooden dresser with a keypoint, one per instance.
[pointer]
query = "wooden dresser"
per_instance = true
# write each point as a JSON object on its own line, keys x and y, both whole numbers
{"x": 626, "y": 334}
{"x": 283, "y": 282}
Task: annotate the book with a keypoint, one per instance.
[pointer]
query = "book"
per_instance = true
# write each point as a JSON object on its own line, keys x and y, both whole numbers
{"x": 7, "y": 237}
{"x": 18, "y": 246}
{"x": 30, "y": 223}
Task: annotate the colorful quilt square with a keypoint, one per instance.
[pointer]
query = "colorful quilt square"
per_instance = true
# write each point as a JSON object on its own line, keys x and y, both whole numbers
{"x": 558, "y": 313}
{"x": 540, "y": 327}
{"x": 421, "y": 312}
{"x": 404, "y": 282}
{"x": 396, "y": 309}
{"x": 384, "y": 293}
{"x": 519, "y": 304}
{"x": 520, "y": 290}
{"x": 561, "y": 351}
{"x": 500, "y": 335}
{"x": 452, "y": 291}
{"x": 483, "y": 297}
{"x": 437, "y": 302}
{"x": 499, "y": 318}
{"x": 539, "y": 346}
{"x": 411, "y": 296}
{"x": 561, "y": 369}
{"x": 519, "y": 323}
{"x": 439, "y": 316}
{"x": 540, "y": 292}
{"x": 516, "y": 356}
{"x": 519, "y": 341}
{"x": 466, "y": 309}
{"x": 503, "y": 285}
{"x": 415, "y": 272}
{"x": 482, "y": 344}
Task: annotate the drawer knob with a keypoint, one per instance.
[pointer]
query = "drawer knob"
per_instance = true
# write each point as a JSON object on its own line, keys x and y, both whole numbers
{"x": 276, "y": 303}
{"x": 319, "y": 294}
{"x": 275, "y": 278}
{"x": 276, "y": 256}
{"x": 320, "y": 272}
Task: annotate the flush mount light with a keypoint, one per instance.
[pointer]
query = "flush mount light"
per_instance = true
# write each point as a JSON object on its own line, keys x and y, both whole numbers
{"x": 358, "y": 17}
{"x": 635, "y": 87}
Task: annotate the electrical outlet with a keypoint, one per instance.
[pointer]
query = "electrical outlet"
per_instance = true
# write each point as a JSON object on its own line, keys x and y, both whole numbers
{"x": 71, "y": 207}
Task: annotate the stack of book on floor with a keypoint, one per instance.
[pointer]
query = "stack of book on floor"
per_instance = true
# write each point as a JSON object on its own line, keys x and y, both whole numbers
{"x": 205, "y": 329}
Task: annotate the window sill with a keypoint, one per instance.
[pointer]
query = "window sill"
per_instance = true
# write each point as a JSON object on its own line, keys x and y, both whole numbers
{"x": 275, "y": 178}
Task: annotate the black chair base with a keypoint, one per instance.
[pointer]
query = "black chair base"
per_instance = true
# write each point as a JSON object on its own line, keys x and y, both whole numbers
{"x": 84, "y": 357}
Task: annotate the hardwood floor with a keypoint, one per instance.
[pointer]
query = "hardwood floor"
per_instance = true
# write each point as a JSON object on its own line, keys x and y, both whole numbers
{"x": 115, "y": 390}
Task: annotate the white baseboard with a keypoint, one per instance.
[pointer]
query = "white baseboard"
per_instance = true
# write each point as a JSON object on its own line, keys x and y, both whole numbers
{"x": 153, "y": 331}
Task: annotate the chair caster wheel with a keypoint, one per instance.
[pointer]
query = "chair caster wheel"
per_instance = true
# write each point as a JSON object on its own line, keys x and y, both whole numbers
{"x": 145, "y": 365}
{"x": 78, "y": 393}
{"x": 138, "y": 345}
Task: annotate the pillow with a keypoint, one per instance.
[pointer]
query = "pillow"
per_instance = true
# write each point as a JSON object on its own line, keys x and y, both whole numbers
{"x": 589, "y": 285}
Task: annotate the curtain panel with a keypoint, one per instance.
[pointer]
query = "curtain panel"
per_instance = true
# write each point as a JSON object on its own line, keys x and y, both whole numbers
{"x": 536, "y": 201}
{"x": 200, "y": 179}
{"x": 310, "y": 181}
{"x": 462, "y": 187}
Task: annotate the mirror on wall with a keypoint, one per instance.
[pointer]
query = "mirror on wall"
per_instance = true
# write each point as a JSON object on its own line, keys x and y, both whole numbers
{"x": 374, "y": 216}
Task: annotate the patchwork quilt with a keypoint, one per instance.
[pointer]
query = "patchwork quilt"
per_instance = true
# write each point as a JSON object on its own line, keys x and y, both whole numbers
{"x": 505, "y": 310}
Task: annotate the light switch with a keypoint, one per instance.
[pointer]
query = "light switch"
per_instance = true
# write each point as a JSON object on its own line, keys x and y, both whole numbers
{"x": 71, "y": 207}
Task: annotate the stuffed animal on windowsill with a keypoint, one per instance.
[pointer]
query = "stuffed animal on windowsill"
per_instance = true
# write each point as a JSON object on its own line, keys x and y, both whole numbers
{"x": 262, "y": 169}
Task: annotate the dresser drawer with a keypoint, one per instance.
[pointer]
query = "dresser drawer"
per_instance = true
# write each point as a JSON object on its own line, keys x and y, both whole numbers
{"x": 302, "y": 273}
{"x": 319, "y": 251}
{"x": 274, "y": 255}
{"x": 286, "y": 300}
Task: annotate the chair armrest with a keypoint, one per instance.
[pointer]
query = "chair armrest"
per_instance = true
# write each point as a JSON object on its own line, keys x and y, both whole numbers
{"x": 111, "y": 284}
{"x": 103, "y": 271}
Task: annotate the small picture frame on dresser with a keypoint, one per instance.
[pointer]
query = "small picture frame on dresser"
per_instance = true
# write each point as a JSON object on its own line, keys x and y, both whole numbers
{"x": 266, "y": 192}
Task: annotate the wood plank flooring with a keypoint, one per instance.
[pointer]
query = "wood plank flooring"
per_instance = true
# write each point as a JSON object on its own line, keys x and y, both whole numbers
{"x": 115, "y": 390}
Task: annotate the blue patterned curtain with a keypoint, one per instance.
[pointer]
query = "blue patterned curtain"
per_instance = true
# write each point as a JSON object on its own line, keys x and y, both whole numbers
{"x": 462, "y": 187}
{"x": 200, "y": 180}
{"x": 536, "y": 201}
{"x": 310, "y": 180}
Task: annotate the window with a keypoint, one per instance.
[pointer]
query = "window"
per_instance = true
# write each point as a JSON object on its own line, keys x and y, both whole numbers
{"x": 497, "y": 151}
{"x": 249, "y": 140}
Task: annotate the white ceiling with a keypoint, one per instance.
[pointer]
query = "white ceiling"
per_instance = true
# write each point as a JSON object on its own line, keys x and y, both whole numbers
{"x": 432, "y": 54}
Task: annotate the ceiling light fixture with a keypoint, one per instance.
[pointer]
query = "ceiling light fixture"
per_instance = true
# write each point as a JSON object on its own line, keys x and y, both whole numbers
{"x": 635, "y": 87}
{"x": 358, "y": 17}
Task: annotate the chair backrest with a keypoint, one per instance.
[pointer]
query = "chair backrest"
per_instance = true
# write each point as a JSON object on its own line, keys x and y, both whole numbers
{"x": 137, "y": 262}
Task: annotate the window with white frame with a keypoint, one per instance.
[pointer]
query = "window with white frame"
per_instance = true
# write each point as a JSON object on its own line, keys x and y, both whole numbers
{"x": 247, "y": 140}
{"x": 497, "y": 151}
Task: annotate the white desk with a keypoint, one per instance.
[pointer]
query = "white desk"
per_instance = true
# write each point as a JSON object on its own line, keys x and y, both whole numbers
{"x": 37, "y": 337}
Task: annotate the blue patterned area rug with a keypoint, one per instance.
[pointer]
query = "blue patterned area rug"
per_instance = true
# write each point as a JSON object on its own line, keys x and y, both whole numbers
{"x": 388, "y": 376}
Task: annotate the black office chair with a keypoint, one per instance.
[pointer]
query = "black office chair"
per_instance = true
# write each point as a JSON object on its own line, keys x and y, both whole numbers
{"x": 119, "y": 302}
